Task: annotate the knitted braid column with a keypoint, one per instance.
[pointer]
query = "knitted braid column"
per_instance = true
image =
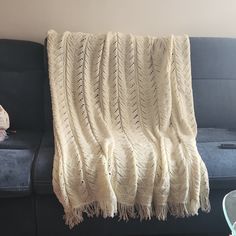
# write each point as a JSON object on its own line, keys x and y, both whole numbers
{"x": 184, "y": 124}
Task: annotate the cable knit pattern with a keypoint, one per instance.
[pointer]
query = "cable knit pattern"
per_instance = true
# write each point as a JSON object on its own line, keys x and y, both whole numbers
{"x": 124, "y": 127}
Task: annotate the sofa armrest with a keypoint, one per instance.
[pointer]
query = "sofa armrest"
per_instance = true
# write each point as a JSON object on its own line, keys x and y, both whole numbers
{"x": 43, "y": 164}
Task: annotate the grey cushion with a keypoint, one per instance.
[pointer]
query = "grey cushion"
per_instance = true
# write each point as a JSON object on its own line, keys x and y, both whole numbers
{"x": 221, "y": 163}
{"x": 15, "y": 168}
{"x": 214, "y": 81}
{"x": 16, "y": 157}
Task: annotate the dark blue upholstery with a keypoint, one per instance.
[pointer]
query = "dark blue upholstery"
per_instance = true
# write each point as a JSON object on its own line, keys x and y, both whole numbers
{"x": 21, "y": 83}
{"x": 221, "y": 163}
{"x": 22, "y": 74}
{"x": 16, "y": 157}
{"x": 214, "y": 81}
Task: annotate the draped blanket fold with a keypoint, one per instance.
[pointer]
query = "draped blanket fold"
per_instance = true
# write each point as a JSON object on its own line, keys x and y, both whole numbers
{"x": 124, "y": 127}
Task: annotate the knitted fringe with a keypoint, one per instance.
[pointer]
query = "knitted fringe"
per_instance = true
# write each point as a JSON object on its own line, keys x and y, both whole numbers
{"x": 205, "y": 203}
{"x": 126, "y": 212}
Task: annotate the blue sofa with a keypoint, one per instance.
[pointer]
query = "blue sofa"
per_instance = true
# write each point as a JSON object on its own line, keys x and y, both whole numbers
{"x": 28, "y": 206}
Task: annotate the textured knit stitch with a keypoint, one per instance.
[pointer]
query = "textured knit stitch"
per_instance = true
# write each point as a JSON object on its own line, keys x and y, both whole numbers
{"x": 124, "y": 127}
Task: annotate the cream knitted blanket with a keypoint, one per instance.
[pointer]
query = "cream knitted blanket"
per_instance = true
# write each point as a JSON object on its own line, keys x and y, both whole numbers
{"x": 124, "y": 127}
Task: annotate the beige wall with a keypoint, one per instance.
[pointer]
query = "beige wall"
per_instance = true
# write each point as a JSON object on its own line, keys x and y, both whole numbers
{"x": 30, "y": 19}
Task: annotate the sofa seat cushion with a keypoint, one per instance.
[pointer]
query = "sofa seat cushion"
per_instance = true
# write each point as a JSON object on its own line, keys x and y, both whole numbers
{"x": 221, "y": 163}
{"x": 16, "y": 157}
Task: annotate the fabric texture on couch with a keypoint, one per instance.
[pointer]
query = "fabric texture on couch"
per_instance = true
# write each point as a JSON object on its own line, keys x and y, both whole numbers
{"x": 22, "y": 73}
{"x": 221, "y": 163}
{"x": 17, "y": 154}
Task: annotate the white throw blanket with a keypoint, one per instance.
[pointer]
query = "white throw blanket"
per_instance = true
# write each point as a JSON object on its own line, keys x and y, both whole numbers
{"x": 124, "y": 127}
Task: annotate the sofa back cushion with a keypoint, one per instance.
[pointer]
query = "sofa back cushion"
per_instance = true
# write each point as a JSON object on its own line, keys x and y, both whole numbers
{"x": 214, "y": 81}
{"x": 22, "y": 75}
